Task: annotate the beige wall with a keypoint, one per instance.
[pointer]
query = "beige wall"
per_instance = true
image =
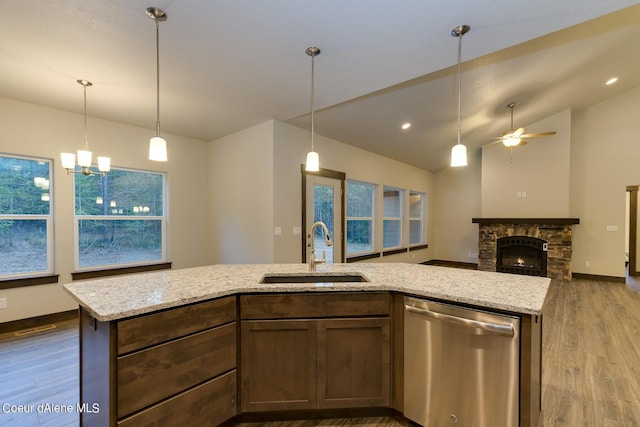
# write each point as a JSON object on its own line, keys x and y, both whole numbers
{"x": 244, "y": 233}
{"x": 44, "y": 132}
{"x": 604, "y": 160}
{"x": 241, "y": 173}
{"x": 538, "y": 172}
{"x": 291, "y": 146}
{"x": 457, "y": 201}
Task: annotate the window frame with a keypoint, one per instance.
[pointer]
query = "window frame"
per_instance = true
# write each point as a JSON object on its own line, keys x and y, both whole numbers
{"x": 120, "y": 268}
{"x": 422, "y": 218}
{"x": 373, "y": 219}
{"x": 20, "y": 278}
{"x": 400, "y": 219}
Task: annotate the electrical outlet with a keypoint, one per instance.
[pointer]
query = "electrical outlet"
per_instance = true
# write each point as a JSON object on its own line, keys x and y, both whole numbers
{"x": 612, "y": 228}
{"x": 3, "y": 303}
{"x": 587, "y": 264}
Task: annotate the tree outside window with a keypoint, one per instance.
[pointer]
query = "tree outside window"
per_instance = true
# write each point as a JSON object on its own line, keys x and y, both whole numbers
{"x": 120, "y": 219}
{"x": 360, "y": 217}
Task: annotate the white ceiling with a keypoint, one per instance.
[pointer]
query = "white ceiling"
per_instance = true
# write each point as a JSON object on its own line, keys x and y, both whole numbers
{"x": 229, "y": 64}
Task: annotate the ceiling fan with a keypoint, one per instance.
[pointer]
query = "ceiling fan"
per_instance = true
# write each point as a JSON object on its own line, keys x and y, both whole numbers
{"x": 515, "y": 137}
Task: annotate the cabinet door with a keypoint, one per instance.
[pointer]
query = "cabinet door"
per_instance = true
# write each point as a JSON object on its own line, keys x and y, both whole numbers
{"x": 278, "y": 365}
{"x": 353, "y": 363}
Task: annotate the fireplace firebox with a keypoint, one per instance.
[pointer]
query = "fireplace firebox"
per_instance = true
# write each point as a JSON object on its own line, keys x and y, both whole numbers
{"x": 522, "y": 255}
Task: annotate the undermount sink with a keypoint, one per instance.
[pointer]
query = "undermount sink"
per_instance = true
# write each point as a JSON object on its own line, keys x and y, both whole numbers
{"x": 312, "y": 278}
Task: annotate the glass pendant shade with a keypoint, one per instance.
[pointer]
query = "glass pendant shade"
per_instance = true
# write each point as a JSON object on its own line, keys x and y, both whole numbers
{"x": 104, "y": 164}
{"x": 68, "y": 160}
{"x": 158, "y": 149}
{"x": 313, "y": 162}
{"x": 459, "y": 155}
{"x": 84, "y": 158}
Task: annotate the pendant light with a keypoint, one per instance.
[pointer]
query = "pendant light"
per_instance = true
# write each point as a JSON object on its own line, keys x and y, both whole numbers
{"x": 459, "y": 151}
{"x": 313, "y": 160}
{"x": 157, "y": 144}
{"x": 84, "y": 155}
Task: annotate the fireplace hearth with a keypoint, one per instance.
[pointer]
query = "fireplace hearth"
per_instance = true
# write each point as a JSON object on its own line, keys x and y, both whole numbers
{"x": 529, "y": 258}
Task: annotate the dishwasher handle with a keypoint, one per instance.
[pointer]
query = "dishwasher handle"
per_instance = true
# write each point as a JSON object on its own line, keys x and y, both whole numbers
{"x": 485, "y": 326}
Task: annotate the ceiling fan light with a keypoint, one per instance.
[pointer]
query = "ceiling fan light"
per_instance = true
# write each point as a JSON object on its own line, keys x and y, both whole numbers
{"x": 510, "y": 141}
{"x": 158, "y": 149}
{"x": 313, "y": 162}
{"x": 458, "y": 155}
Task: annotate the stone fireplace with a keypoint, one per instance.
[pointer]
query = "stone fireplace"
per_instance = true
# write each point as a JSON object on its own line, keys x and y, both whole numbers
{"x": 532, "y": 246}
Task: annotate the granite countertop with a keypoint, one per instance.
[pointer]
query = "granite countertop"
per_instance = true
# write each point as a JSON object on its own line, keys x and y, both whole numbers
{"x": 125, "y": 296}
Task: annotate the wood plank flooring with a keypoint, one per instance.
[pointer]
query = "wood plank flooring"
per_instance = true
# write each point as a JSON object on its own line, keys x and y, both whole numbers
{"x": 591, "y": 354}
{"x": 591, "y": 364}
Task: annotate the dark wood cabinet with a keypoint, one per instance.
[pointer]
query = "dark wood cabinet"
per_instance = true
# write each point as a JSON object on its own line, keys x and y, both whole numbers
{"x": 162, "y": 368}
{"x": 323, "y": 362}
{"x": 278, "y": 365}
{"x": 353, "y": 366}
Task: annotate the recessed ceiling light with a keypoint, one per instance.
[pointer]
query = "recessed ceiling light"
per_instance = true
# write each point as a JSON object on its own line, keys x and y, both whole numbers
{"x": 612, "y": 80}
{"x": 406, "y": 126}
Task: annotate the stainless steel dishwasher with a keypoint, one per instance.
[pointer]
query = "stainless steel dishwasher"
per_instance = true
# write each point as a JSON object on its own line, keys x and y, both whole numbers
{"x": 461, "y": 366}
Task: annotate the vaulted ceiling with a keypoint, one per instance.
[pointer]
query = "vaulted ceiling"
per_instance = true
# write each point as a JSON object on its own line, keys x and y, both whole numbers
{"x": 227, "y": 65}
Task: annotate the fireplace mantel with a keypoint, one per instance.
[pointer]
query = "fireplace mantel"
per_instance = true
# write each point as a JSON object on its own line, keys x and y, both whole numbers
{"x": 555, "y": 221}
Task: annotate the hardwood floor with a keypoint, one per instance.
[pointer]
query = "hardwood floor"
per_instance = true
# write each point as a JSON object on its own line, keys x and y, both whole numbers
{"x": 40, "y": 369}
{"x": 591, "y": 364}
{"x": 591, "y": 354}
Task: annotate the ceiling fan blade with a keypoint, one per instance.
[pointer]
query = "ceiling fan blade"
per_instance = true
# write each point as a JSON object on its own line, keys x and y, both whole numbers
{"x": 537, "y": 134}
{"x": 518, "y": 132}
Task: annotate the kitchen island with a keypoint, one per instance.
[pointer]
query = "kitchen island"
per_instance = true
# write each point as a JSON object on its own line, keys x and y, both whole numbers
{"x": 205, "y": 343}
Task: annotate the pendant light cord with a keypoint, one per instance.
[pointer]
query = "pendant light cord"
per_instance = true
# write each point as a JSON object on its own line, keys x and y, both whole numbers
{"x": 459, "y": 75}
{"x": 85, "y": 144}
{"x": 312, "y": 97}
{"x": 157, "y": 77}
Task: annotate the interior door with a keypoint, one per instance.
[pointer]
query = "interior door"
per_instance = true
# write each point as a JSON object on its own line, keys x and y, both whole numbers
{"x": 323, "y": 202}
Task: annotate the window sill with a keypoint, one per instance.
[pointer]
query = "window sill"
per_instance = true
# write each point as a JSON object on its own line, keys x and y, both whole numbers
{"x": 28, "y": 281}
{"x": 363, "y": 257}
{"x": 93, "y": 274}
{"x": 395, "y": 251}
{"x": 418, "y": 247}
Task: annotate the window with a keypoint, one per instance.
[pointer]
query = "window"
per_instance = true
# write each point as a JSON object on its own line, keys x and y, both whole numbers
{"x": 392, "y": 221}
{"x": 360, "y": 217}
{"x": 26, "y": 231}
{"x": 120, "y": 219}
{"x": 416, "y": 215}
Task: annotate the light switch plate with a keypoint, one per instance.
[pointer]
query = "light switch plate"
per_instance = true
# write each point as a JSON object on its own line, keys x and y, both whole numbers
{"x": 297, "y": 231}
{"x": 3, "y": 303}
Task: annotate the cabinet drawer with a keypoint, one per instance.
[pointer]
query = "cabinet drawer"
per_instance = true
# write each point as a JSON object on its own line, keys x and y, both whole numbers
{"x": 152, "y": 329}
{"x": 316, "y": 305}
{"x": 208, "y": 404}
{"x": 148, "y": 376}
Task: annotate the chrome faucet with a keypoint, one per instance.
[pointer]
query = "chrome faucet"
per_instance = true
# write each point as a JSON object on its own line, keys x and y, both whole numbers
{"x": 312, "y": 259}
